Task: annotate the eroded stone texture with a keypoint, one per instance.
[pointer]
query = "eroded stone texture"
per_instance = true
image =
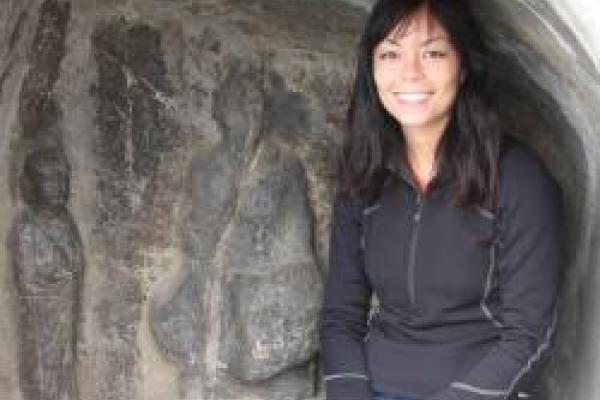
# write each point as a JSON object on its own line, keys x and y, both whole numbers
{"x": 187, "y": 315}
{"x": 45, "y": 248}
{"x": 132, "y": 116}
{"x": 135, "y": 132}
{"x": 251, "y": 226}
{"x": 47, "y": 261}
{"x": 38, "y": 110}
{"x": 270, "y": 325}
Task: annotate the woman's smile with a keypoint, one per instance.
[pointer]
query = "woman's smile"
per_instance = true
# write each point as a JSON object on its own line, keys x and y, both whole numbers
{"x": 412, "y": 97}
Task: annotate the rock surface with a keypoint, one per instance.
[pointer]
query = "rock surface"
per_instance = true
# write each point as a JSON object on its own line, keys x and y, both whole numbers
{"x": 200, "y": 136}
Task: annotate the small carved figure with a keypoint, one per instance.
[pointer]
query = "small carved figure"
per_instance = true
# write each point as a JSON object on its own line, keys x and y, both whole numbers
{"x": 47, "y": 261}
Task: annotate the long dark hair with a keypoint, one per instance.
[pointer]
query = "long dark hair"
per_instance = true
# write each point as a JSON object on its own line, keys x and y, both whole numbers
{"x": 469, "y": 147}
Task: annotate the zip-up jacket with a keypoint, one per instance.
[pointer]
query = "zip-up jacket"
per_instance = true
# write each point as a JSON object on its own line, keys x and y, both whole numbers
{"x": 466, "y": 298}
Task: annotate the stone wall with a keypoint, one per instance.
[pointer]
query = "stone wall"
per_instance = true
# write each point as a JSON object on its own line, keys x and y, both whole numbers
{"x": 186, "y": 221}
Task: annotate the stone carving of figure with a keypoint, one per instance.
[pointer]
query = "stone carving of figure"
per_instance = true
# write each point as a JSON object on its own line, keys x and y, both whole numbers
{"x": 47, "y": 261}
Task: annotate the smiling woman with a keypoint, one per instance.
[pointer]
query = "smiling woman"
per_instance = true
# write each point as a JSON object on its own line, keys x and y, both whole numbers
{"x": 452, "y": 224}
{"x": 416, "y": 70}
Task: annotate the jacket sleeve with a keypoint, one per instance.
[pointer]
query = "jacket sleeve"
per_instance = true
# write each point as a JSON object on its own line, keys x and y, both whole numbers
{"x": 343, "y": 320}
{"x": 529, "y": 258}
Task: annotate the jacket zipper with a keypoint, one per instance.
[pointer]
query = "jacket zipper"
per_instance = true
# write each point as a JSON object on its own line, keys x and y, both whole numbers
{"x": 413, "y": 250}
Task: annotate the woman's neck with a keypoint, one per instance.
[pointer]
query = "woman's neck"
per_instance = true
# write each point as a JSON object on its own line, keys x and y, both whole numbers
{"x": 421, "y": 155}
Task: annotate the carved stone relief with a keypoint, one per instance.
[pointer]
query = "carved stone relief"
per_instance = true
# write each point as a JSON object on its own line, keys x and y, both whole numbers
{"x": 186, "y": 147}
{"x": 47, "y": 261}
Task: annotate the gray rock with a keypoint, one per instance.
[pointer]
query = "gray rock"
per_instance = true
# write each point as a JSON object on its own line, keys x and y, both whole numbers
{"x": 200, "y": 136}
{"x": 270, "y": 322}
{"x": 47, "y": 261}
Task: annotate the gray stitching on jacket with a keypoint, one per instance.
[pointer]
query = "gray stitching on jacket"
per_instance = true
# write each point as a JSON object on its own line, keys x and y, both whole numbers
{"x": 486, "y": 213}
{"x": 483, "y": 392}
{"x": 538, "y": 353}
{"x": 365, "y": 213}
{"x": 488, "y": 286}
{"x": 370, "y": 209}
{"x": 353, "y": 375}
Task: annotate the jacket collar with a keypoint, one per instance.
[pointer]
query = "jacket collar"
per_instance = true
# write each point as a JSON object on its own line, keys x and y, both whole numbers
{"x": 398, "y": 167}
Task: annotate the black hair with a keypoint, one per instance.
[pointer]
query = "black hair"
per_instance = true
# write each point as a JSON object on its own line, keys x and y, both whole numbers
{"x": 469, "y": 147}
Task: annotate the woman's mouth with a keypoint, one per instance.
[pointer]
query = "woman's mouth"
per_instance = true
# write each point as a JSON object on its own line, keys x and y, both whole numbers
{"x": 412, "y": 98}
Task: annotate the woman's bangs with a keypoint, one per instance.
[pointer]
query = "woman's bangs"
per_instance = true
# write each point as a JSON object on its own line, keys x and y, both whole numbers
{"x": 392, "y": 19}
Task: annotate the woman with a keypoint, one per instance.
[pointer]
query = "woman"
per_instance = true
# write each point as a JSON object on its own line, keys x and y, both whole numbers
{"x": 454, "y": 227}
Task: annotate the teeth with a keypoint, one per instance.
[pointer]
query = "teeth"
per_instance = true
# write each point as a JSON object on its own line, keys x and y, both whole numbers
{"x": 412, "y": 97}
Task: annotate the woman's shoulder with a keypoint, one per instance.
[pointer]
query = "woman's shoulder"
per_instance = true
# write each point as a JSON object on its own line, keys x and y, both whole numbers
{"x": 518, "y": 161}
{"x": 523, "y": 174}
{"x": 348, "y": 203}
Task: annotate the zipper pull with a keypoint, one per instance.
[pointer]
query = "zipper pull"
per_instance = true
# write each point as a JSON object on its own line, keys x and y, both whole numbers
{"x": 417, "y": 215}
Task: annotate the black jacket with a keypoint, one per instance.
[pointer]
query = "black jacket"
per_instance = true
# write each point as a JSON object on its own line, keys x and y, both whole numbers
{"x": 467, "y": 299}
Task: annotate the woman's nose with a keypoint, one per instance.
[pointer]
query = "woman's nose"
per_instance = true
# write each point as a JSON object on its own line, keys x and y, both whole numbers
{"x": 411, "y": 66}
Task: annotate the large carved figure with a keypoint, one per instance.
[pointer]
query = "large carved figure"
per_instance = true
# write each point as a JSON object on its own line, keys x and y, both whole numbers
{"x": 47, "y": 261}
{"x": 242, "y": 324}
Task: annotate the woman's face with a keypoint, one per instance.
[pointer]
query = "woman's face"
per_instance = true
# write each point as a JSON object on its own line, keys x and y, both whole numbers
{"x": 417, "y": 72}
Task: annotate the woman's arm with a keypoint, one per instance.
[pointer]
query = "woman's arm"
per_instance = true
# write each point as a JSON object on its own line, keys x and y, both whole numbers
{"x": 530, "y": 255}
{"x": 343, "y": 323}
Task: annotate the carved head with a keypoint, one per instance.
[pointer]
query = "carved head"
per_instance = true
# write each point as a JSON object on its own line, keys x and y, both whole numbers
{"x": 45, "y": 181}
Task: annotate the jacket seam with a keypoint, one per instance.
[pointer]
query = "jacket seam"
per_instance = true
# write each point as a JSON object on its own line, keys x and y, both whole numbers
{"x": 477, "y": 390}
{"x": 365, "y": 213}
{"x": 351, "y": 375}
{"x": 537, "y": 354}
{"x": 526, "y": 368}
{"x": 488, "y": 286}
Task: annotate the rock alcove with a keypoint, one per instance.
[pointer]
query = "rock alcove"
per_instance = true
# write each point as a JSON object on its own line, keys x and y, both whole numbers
{"x": 186, "y": 260}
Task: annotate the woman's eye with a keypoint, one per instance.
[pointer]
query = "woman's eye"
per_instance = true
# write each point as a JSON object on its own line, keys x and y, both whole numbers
{"x": 390, "y": 54}
{"x": 435, "y": 54}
